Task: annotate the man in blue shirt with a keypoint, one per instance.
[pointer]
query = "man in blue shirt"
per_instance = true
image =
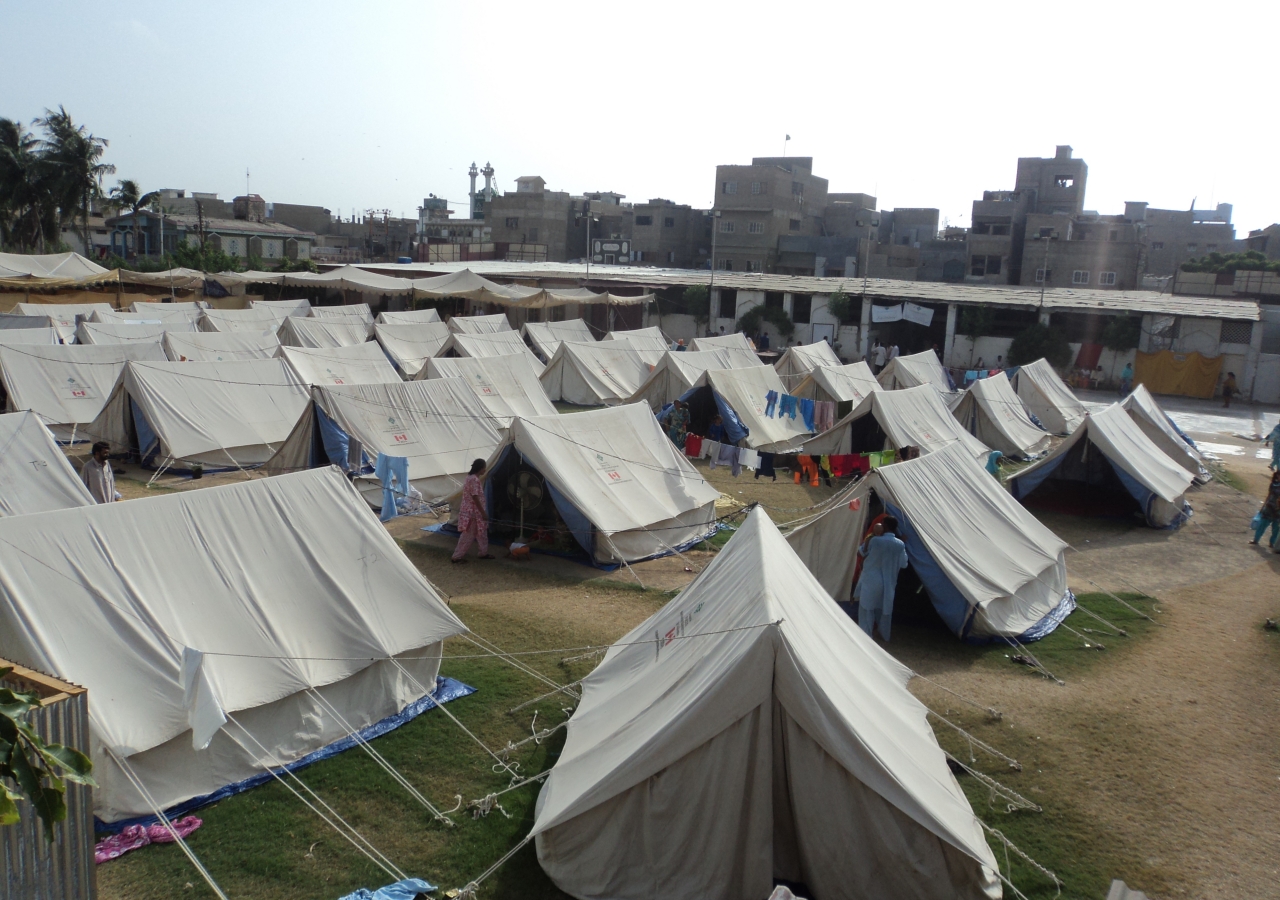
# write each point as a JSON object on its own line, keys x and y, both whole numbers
{"x": 884, "y": 556}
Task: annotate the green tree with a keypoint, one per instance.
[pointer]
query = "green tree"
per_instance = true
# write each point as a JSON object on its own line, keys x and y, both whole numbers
{"x": 127, "y": 195}
{"x": 1121, "y": 333}
{"x": 1036, "y": 341}
{"x": 1217, "y": 263}
{"x": 27, "y": 210}
{"x": 841, "y": 307}
{"x": 37, "y": 770}
{"x": 72, "y": 157}
{"x": 752, "y": 319}
{"x": 976, "y": 321}
{"x": 697, "y": 303}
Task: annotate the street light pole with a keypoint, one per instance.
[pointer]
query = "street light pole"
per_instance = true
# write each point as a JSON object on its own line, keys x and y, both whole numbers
{"x": 1044, "y": 273}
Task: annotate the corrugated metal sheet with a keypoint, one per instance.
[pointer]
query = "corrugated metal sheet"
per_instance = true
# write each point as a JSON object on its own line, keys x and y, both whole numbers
{"x": 30, "y": 867}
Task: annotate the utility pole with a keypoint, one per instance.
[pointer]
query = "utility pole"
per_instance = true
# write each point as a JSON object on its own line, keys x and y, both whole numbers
{"x": 715, "y": 226}
{"x": 1052, "y": 235}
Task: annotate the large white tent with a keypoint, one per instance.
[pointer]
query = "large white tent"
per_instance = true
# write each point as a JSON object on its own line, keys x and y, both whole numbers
{"x": 1047, "y": 397}
{"x": 677, "y": 372}
{"x": 649, "y": 342}
{"x": 546, "y": 337}
{"x": 1110, "y": 454}
{"x": 127, "y": 332}
{"x": 67, "y": 385}
{"x": 994, "y": 414}
{"x": 411, "y": 345}
{"x": 169, "y": 307}
{"x": 220, "y": 414}
{"x": 62, "y": 315}
{"x": 1156, "y": 425}
{"x": 735, "y": 341}
{"x": 741, "y": 400}
{"x": 18, "y": 322}
{"x": 259, "y": 609}
{"x": 508, "y": 386}
{"x": 749, "y": 732}
{"x": 358, "y": 364}
{"x": 915, "y": 370}
{"x": 35, "y": 473}
{"x": 891, "y": 420}
{"x": 801, "y": 359}
{"x": 284, "y": 307}
{"x": 841, "y": 384}
{"x": 598, "y": 373}
{"x": 181, "y": 315}
{"x": 439, "y": 425}
{"x": 409, "y": 317}
{"x": 215, "y": 346}
{"x": 355, "y": 311}
{"x": 623, "y": 490}
{"x": 990, "y": 568}
{"x": 257, "y": 320}
{"x": 296, "y": 331}
{"x": 43, "y": 334}
{"x": 497, "y": 343}
{"x": 479, "y": 324}
{"x": 70, "y": 266}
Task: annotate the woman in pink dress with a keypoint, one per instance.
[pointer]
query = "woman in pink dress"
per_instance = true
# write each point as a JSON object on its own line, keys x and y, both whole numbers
{"x": 472, "y": 517}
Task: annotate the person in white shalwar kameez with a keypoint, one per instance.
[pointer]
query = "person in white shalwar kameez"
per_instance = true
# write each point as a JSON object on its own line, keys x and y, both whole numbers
{"x": 883, "y": 557}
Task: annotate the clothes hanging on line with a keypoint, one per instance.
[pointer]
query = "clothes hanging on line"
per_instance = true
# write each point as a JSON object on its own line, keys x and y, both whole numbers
{"x": 710, "y": 450}
{"x": 770, "y": 401}
{"x": 824, "y": 415}
{"x": 393, "y": 472}
{"x": 728, "y": 455}
{"x": 808, "y": 470}
{"x": 806, "y": 412}
{"x": 787, "y": 406}
{"x": 766, "y": 467}
{"x": 749, "y": 459}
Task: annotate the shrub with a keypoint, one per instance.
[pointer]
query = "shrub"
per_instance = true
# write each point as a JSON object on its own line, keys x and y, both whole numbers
{"x": 1036, "y": 341}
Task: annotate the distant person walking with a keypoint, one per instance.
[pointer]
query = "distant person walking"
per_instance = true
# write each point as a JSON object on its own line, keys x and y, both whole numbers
{"x": 1269, "y": 516}
{"x": 1229, "y": 389}
{"x": 883, "y": 557}
{"x": 893, "y": 353}
{"x": 97, "y": 475}
{"x": 1274, "y": 440}
{"x": 1126, "y": 378}
{"x": 877, "y": 357}
{"x": 473, "y": 518}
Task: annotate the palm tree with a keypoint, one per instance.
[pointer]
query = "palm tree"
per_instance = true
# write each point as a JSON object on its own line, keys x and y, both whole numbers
{"x": 26, "y": 212}
{"x": 72, "y": 156}
{"x": 127, "y": 195}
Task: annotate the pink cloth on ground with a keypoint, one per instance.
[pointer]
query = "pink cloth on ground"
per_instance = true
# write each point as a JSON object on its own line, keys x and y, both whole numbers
{"x": 135, "y": 836}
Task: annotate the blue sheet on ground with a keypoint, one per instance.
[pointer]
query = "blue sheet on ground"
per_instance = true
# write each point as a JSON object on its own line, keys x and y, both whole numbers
{"x": 401, "y": 890}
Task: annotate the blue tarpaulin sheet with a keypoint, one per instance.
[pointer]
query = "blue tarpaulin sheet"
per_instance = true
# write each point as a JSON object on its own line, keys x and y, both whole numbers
{"x": 401, "y": 890}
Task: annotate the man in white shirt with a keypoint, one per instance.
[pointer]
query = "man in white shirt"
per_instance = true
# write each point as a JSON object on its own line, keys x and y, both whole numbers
{"x": 877, "y": 357}
{"x": 893, "y": 352}
{"x": 97, "y": 475}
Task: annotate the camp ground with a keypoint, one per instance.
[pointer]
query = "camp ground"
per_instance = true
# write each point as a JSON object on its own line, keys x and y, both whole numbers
{"x": 356, "y": 311}
{"x": 678, "y": 372}
{"x": 735, "y": 341}
{"x": 438, "y": 425}
{"x": 990, "y": 411}
{"x": 126, "y": 332}
{"x": 199, "y": 645}
{"x": 34, "y": 473}
{"x": 409, "y": 317}
{"x": 1156, "y": 425}
{"x": 62, "y": 316}
{"x": 799, "y": 360}
{"x": 839, "y": 384}
{"x": 336, "y": 331}
{"x": 1047, "y": 397}
{"x": 218, "y": 414}
{"x": 216, "y": 346}
{"x": 506, "y": 385}
{"x": 990, "y": 569}
{"x": 546, "y": 337}
{"x": 649, "y": 342}
{"x": 410, "y": 345}
{"x": 479, "y": 324}
{"x": 1108, "y": 465}
{"x": 890, "y": 420}
{"x": 597, "y": 373}
{"x": 257, "y": 319}
{"x": 284, "y": 307}
{"x": 606, "y": 480}
{"x": 915, "y": 370}
{"x": 482, "y": 344}
{"x": 358, "y": 364}
{"x": 67, "y": 385}
{"x": 751, "y": 719}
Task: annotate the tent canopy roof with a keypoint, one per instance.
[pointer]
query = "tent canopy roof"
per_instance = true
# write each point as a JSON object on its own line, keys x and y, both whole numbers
{"x": 410, "y": 345}
{"x": 991, "y": 410}
{"x": 735, "y": 341}
{"x": 745, "y": 390}
{"x": 840, "y": 383}
{"x": 214, "y": 346}
{"x": 296, "y": 331}
{"x": 508, "y": 386}
{"x": 479, "y": 324}
{"x": 35, "y": 472}
{"x": 915, "y": 370}
{"x": 910, "y": 417}
{"x": 357, "y": 364}
{"x": 594, "y": 373}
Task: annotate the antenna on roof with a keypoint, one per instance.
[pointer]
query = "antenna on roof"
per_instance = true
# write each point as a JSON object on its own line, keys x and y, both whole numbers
{"x": 246, "y": 181}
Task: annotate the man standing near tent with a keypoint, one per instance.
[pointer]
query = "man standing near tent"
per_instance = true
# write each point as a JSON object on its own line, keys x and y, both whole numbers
{"x": 883, "y": 557}
{"x": 473, "y": 519}
{"x": 97, "y": 475}
{"x": 877, "y": 357}
{"x": 1126, "y": 378}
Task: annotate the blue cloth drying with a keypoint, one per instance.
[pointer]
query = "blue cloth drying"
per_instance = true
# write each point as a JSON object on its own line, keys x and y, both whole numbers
{"x": 806, "y": 413}
{"x": 393, "y": 472}
{"x": 401, "y": 890}
{"x": 786, "y": 405}
{"x": 771, "y": 400}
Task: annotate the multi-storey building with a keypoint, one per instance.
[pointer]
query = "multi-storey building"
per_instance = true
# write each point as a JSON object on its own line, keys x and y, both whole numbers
{"x": 755, "y": 205}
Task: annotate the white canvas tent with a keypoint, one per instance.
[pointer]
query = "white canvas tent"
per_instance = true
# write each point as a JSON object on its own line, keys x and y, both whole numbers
{"x": 284, "y": 307}
{"x": 546, "y": 337}
{"x": 356, "y": 311}
{"x": 463, "y": 283}
{"x": 990, "y": 569}
{"x": 216, "y": 346}
{"x": 359, "y": 364}
{"x": 18, "y": 322}
{"x": 224, "y": 414}
{"x": 841, "y": 384}
{"x": 994, "y": 414}
{"x": 67, "y": 385}
{"x": 256, "y": 320}
{"x": 1110, "y": 454}
{"x": 741, "y": 401}
{"x": 34, "y": 472}
{"x": 1156, "y": 425}
{"x": 599, "y": 373}
{"x": 62, "y": 315}
{"x": 44, "y": 334}
{"x": 915, "y": 370}
{"x": 749, "y": 732}
{"x": 169, "y": 307}
{"x": 68, "y": 266}
{"x": 127, "y": 332}
{"x": 1047, "y": 397}
{"x": 250, "y": 585}
{"x": 649, "y": 342}
{"x": 411, "y": 345}
{"x": 678, "y": 372}
{"x": 296, "y": 331}
{"x": 507, "y": 385}
{"x": 350, "y": 278}
{"x": 911, "y": 417}
{"x": 495, "y": 343}
{"x": 409, "y": 317}
{"x": 182, "y": 317}
{"x": 439, "y": 425}
{"x": 801, "y": 359}
{"x": 479, "y": 324}
{"x": 735, "y": 341}
{"x": 620, "y": 486}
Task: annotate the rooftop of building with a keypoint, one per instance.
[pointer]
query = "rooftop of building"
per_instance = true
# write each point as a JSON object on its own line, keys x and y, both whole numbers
{"x": 212, "y": 225}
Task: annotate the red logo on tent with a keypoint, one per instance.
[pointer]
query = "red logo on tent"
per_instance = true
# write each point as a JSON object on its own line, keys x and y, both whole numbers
{"x": 401, "y": 438}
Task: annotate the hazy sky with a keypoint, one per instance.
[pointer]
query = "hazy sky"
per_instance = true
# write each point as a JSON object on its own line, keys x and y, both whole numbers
{"x": 375, "y": 105}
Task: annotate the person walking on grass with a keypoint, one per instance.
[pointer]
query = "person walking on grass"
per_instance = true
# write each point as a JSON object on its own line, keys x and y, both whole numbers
{"x": 473, "y": 518}
{"x": 883, "y": 557}
{"x": 1274, "y": 440}
{"x": 1269, "y": 516}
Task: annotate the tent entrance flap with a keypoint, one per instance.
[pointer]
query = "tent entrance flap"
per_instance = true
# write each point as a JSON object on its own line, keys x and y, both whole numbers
{"x": 1082, "y": 481}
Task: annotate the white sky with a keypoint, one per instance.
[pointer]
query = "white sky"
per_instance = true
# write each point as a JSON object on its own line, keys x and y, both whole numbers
{"x": 377, "y": 104}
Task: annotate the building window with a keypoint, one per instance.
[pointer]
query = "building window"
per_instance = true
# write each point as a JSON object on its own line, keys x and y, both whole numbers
{"x": 755, "y": 227}
{"x": 513, "y": 223}
{"x": 1157, "y": 245}
{"x": 801, "y": 308}
{"x": 773, "y": 300}
{"x": 797, "y": 189}
{"x": 1113, "y": 235}
{"x": 794, "y": 225}
{"x": 731, "y": 187}
{"x": 1001, "y": 229}
{"x": 981, "y": 228}
{"x": 755, "y": 187}
{"x": 1191, "y": 248}
{"x": 533, "y": 235}
{"x": 644, "y": 220}
{"x": 1044, "y": 275}
{"x": 978, "y": 266}
{"x": 753, "y": 265}
{"x": 1236, "y": 332}
{"x": 726, "y": 265}
{"x": 671, "y": 256}
{"x": 668, "y": 222}
{"x": 728, "y": 304}
{"x": 726, "y": 227}
{"x": 1210, "y": 247}
{"x": 1064, "y": 181}
{"x": 993, "y": 265}
{"x": 1107, "y": 279}
{"x": 1080, "y": 276}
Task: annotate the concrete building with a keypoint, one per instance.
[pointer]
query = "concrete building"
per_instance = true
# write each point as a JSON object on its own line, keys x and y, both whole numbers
{"x": 674, "y": 235}
{"x": 240, "y": 237}
{"x": 1173, "y": 236}
{"x": 1082, "y": 251}
{"x": 756, "y": 205}
{"x": 532, "y": 216}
